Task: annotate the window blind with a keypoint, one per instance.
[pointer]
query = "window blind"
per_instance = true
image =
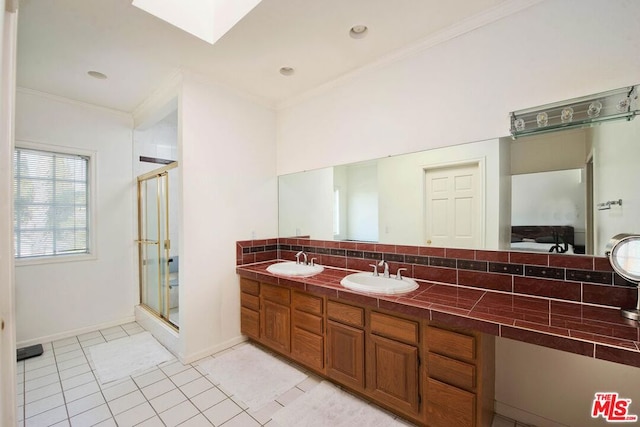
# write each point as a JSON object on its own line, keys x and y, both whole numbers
{"x": 51, "y": 203}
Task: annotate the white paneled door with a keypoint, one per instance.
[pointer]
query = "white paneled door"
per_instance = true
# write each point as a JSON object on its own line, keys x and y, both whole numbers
{"x": 453, "y": 206}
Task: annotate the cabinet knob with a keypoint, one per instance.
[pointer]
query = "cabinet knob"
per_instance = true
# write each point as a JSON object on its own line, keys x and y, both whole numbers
{"x": 429, "y": 242}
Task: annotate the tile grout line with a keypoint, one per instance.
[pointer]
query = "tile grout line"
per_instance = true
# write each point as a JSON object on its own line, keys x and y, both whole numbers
{"x": 84, "y": 351}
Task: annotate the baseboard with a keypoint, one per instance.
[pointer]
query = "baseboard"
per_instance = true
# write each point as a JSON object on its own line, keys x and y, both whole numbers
{"x": 212, "y": 350}
{"x": 524, "y": 416}
{"x": 75, "y": 332}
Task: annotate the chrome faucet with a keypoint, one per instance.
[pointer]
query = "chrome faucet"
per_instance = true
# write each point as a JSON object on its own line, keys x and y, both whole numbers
{"x": 298, "y": 257}
{"x": 375, "y": 269}
{"x": 386, "y": 267}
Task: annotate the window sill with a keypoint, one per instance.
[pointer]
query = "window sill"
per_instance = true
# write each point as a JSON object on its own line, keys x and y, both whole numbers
{"x": 25, "y": 262}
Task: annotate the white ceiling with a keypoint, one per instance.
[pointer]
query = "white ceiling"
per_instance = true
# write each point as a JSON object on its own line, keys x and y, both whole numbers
{"x": 59, "y": 41}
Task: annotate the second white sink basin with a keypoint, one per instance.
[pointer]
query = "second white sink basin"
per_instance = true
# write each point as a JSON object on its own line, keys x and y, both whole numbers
{"x": 367, "y": 282}
{"x": 290, "y": 268}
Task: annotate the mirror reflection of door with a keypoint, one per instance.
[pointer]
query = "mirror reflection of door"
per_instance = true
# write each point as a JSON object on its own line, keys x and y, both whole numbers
{"x": 453, "y": 206}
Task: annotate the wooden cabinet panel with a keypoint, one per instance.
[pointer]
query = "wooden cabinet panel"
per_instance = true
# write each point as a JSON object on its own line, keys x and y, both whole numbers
{"x": 449, "y": 406}
{"x": 308, "y": 322}
{"x": 393, "y": 373}
{"x": 307, "y": 303}
{"x": 275, "y": 326}
{"x": 345, "y": 354}
{"x": 308, "y": 348}
{"x": 451, "y": 371}
{"x": 394, "y": 327}
{"x": 250, "y": 301}
{"x": 451, "y": 343}
{"x": 250, "y": 323}
{"x": 344, "y": 313}
{"x": 249, "y": 286}
{"x": 275, "y": 294}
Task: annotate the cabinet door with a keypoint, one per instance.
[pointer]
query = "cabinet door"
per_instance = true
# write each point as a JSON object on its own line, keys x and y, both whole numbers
{"x": 345, "y": 354}
{"x": 275, "y": 326}
{"x": 393, "y": 373}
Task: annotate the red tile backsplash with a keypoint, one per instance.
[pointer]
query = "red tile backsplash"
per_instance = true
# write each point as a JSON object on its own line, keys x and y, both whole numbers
{"x": 574, "y": 278}
{"x": 547, "y": 288}
{"x": 497, "y": 282}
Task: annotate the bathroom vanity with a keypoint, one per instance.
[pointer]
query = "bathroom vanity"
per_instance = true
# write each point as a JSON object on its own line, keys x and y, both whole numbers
{"x": 427, "y": 372}
{"x": 428, "y": 355}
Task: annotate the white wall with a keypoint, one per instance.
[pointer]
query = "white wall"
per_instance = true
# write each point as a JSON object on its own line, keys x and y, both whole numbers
{"x": 306, "y": 204}
{"x": 363, "y": 202}
{"x": 546, "y": 387}
{"x": 616, "y": 150}
{"x": 8, "y": 36}
{"x": 463, "y": 90}
{"x": 59, "y": 299}
{"x": 549, "y": 152}
{"x": 229, "y": 193}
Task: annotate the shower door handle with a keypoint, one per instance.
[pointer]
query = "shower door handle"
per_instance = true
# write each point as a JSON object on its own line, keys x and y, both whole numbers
{"x": 147, "y": 242}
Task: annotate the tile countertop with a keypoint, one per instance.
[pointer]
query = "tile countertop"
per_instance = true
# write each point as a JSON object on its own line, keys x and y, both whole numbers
{"x": 589, "y": 330}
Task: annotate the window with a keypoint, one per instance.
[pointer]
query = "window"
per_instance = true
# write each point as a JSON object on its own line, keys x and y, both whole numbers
{"x": 51, "y": 192}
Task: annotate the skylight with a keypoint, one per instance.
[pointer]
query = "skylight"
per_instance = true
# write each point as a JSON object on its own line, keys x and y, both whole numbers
{"x": 208, "y": 20}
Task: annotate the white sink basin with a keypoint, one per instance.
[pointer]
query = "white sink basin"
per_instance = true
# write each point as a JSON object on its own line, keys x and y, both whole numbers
{"x": 290, "y": 268}
{"x": 367, "y": 282}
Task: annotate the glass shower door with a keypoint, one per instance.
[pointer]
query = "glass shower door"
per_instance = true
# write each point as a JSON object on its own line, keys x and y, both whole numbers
{"x": 153, "y": 241}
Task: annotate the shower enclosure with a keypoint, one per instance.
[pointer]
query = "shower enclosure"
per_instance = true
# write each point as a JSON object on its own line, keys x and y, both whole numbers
{"x": 158, "y": 269}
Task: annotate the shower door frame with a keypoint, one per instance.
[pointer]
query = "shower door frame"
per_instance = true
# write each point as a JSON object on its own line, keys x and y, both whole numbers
{"x": 163, "y": 247}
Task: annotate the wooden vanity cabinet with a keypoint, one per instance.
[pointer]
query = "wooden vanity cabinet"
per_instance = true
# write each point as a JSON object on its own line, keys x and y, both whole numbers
{"x": 431, "y": 374}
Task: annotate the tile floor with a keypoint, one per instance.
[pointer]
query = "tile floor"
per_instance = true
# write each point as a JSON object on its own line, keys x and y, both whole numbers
{"x": 60, "y": 388}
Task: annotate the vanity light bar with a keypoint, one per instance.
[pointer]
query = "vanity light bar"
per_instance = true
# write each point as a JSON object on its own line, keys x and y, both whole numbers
{"x": 578, "y": 112}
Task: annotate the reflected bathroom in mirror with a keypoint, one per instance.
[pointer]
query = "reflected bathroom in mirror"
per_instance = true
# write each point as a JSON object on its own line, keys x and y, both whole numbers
{"x": 623, "y": 252}
{"x": 471, "y": 195}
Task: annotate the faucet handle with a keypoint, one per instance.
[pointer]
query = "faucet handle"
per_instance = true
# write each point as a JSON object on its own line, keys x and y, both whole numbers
{"x": 399, "y": 273}
{"x": 375, "y": 269}
{"x": 313, "y": 261}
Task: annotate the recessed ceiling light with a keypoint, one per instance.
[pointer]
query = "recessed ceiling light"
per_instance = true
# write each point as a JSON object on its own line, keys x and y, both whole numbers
{"x": 97, "y": 75}
{"x": 287, "y": 71}
{"x": 358, "y": 31}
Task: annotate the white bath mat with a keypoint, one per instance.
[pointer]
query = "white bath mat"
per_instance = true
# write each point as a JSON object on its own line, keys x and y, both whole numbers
{"x": 123, "y": 357}
{"x": 327, "y": 405}
{"x": 252, "y": 375}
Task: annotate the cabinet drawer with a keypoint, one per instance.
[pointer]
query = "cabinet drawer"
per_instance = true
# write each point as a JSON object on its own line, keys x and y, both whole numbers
{"x": 346, "y": 314}
{"x": 249, "y": 286}
{"x": 249, "y": 301}
{"x": 308, "y": 303}
{"x": 449, "y": 406}
{"x": 394, "y": 327}
{"x": 308, "y": 348}
{"x": 250, "y": 323}
{"x": 451, "y": 343}
{"x": 308, "y": 322}
{"x": 451, "y": 371}
{"x": 275, "y": 294}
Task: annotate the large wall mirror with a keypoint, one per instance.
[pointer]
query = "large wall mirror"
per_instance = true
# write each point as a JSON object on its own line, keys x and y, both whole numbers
{"x": 474, "y": 195}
